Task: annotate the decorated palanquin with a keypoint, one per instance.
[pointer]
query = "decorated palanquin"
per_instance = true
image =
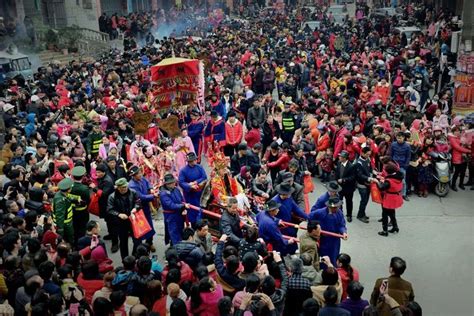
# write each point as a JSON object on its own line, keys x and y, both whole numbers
{"x": 176, "y": 80}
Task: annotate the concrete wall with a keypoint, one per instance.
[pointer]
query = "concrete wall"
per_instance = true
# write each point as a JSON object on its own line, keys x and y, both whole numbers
{"x": 468, "y": 19}
{"x": 80, "y": 16}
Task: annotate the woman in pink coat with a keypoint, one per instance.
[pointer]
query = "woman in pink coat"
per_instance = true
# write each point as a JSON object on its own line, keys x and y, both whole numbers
{"x": 204, "y": 298}
{"x": 182, "y": 146}
{"x": 459, "y": 158}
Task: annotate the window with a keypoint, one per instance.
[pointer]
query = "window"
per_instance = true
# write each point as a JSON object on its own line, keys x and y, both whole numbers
{"x": 87, "y": 4}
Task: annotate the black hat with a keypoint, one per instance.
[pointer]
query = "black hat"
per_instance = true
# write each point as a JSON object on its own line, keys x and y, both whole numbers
{"x": 334, "y": 202}
{"x": 169, "y": 178}
{"x": 287, "y": 176}
{"x": 285, "y": 188}
{"x": 272, "y": 205}
{"x": 195, "y": 112}
{"x": 111, "y": 158}
{"x": 214, "y": 113}
{"x": 133, "y": 170}
{"x": 344, "y": 154}
{"x": 231, "y": 114}
{"x": 41, "y": 145}
{"x": 333, "y": 187}
{"x": 191, "y": 156}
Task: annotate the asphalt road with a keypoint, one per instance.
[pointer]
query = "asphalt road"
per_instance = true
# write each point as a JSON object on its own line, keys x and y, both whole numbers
{"x": 435, "y": 239}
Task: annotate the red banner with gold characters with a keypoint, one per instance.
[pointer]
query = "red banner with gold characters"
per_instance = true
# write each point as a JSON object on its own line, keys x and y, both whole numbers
{"x": 463, "y": 94}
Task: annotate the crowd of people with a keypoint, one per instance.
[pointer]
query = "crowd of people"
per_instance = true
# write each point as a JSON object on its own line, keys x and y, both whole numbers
{"x": 350, "y": 104}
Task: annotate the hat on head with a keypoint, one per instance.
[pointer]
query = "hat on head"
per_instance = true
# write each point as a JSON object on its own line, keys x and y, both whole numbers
{"x": 195, "y": 112}
{"x": 7, "y": 107}
{"x": 285, "y": 188}
{"x": 322, "y": 128}
{"x": 214, "y": 113}
{"x": 344, "y": 154}
{"x": 272, "y": 205}
{"x": 334, "y": 202}
{"x": 78, "y": 171}
{"x": 34, "y": 98}
{"x": 41, "y": 145}
{"x": 333, "y": 187}
{"x": 191, "y": 156}
{"x": 65, "y": 184}
{"x": 287, "y": 176}
{"x": 133, "y": 170}
{"x": 169, "y": 178}
{"x": 122, "y": 182}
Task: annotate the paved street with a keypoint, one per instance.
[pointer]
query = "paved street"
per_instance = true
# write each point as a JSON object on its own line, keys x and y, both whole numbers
{"x": 436, "y": 240}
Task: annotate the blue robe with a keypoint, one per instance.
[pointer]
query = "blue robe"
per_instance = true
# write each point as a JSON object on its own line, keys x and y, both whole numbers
{"x": 143, "y": 188}
{"x": 287, "y": 209}
{"x": 172, "y": 203}
{"x": 321, "y": 202}
{"x": 216, "y": 130}
{"x": 330, "y": 246}
{"x": 195, "y": 129}
{"x": 187, "y": 175}
{"x": 269, "y": 231}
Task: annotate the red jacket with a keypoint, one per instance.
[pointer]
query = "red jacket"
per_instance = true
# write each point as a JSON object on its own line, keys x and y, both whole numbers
{"x": 323, "y": 143}
{"x": 252, "y": 137}
{"x": 282, "y": 162}
{"x": 339, "y": 141}
{"x": 233, "y": 133}
{"x": 89, "y": 286}
{"x": 392, "y": 197}
{"x": 186, "y": 273}
{"x": 353, "y": 149}
{"x": 457, "y": 149}
{"x": 385, "y": 124}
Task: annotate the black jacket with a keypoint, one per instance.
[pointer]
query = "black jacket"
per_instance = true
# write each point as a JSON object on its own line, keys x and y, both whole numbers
{"x": 230, "y": 225}
{"x": 268, "y": 135}
{"x": 190, "y": 253}
{"x": 347, "y": 176}
{"x": 105, "y": 184}
{"x": 118, "y": 203}
{"x": 363, "y": 171}
{"x": 236, "y": 163}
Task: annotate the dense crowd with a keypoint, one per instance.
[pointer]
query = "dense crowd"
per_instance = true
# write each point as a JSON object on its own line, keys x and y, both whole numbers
{"x": 351, "y": 104}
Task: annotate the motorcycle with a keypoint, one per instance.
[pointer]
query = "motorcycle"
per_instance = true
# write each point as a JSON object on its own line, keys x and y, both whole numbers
{"x": 442, "y": 173}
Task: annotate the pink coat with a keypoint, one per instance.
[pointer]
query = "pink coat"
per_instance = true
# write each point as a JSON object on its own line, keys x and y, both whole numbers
{"x": 209, "y": 302}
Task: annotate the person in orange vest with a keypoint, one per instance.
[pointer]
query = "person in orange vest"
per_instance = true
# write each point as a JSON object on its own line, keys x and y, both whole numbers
{"x": 391, "y": 185}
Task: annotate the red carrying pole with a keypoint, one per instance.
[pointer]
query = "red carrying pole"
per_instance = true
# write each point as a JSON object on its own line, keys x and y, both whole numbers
{"x": 215, "y": 215}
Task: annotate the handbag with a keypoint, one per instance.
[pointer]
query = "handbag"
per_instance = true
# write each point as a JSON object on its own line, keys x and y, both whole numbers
{"x": 140, "y": 225}
{"x": 94, "y": 203}
{"x": 375, "y": 193}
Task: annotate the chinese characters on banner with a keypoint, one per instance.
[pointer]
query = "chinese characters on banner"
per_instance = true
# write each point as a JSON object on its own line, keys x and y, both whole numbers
{"x": 463, "y": 94}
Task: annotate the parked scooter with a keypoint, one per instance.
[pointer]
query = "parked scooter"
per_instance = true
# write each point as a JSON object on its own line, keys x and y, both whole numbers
{"x": 442, "y": 172}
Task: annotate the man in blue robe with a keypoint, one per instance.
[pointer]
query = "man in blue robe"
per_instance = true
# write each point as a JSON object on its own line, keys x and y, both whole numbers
{"x": 288, "y": 208}
{"x": 144, "y": 191}
{"x": 215, "y": 130}
{"x": 269, "y": 231}
{"x": 192, "y": 179}
{"x": 331, "y": 219}
{"x": 174, "y": 208}
{"x": 195, "y": 130}
{"x": 333, "y": 190}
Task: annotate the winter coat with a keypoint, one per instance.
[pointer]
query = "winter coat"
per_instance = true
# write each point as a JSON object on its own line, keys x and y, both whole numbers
{"x": 401, "y": 154}
{"x": 209, "y": 302}
{"x": 233, "y": 133}
{"x": 392, "y": 187}
{"x": 457, "y": 149}
{"x": 190, "y": 253}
